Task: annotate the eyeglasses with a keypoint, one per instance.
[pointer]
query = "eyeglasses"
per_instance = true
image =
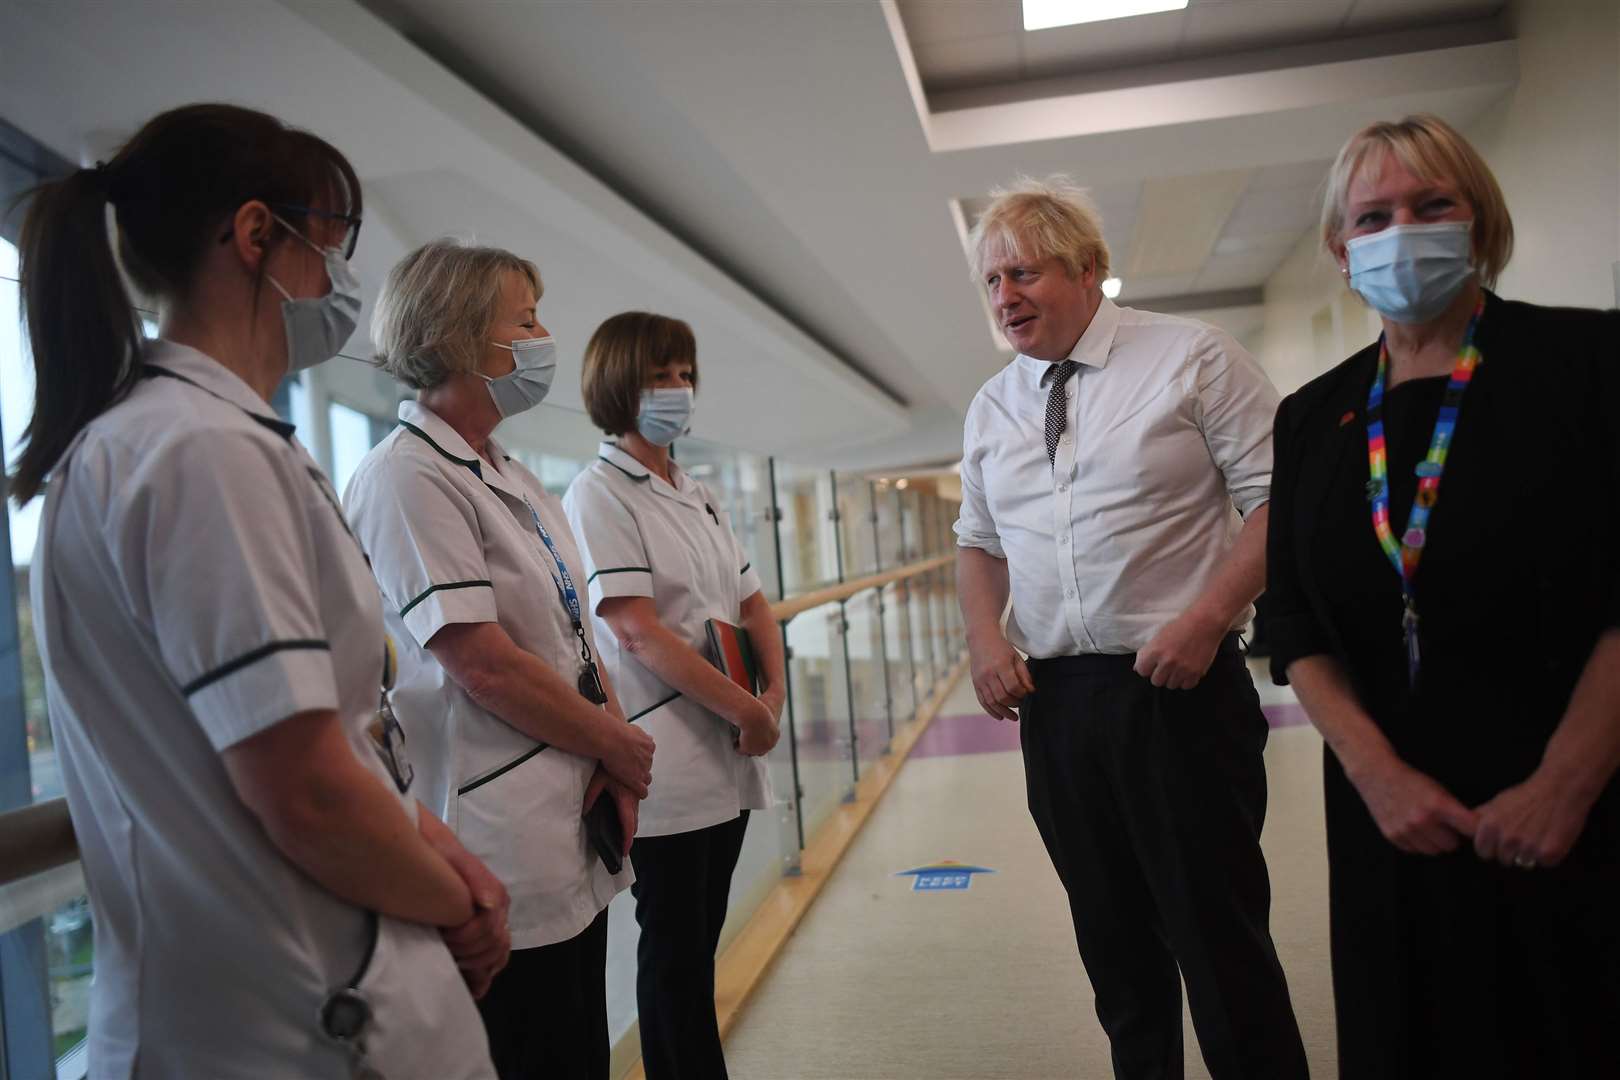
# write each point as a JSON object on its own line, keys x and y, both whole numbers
{"x": 351, "y": 241}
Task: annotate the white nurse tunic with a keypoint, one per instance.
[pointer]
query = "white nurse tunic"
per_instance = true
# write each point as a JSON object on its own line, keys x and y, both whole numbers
{"x": 195, "y": 584}
{"x": 452, "y": 540}
{"x": 642, "y": 536}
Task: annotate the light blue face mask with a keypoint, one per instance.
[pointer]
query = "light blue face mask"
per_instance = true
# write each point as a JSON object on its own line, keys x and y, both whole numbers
{"x": 318, "y": 326}
{"x": 1411, "y": 273}
{"x": 666, "y": 414}
{"x": 526, "y": 385}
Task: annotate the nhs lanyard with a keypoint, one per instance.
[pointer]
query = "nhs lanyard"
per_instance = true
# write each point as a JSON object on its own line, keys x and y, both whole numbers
{"x": 1406, "y": 554}
{"x": 563, "y": 580}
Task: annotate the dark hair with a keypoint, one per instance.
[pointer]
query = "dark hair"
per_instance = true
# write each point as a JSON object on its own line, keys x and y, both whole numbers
{"x": 172, "y": 188}
{"x": 619, "y": 358}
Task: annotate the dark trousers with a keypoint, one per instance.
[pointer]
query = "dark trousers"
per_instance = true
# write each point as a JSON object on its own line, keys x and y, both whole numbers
{"x": 682, "y": 885}
{"x": 546, "y": 1012}
{"x": 1150, "y": 802}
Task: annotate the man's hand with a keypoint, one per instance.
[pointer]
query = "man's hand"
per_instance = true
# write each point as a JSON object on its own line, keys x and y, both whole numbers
{"x": 1532, "y": 824}
{"x": 1001, "y": 680}
{"x": 1180, "y": 654}
{"x": 1413, "y": 811}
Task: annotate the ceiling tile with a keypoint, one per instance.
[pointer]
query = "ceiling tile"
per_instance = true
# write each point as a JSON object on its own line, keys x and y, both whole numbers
{"x": 1148, "y": 288}
{"x": 952, "y": 20}
{"x": 1300, "y": 174}
{"x": 1261, "y": 212}
{"x": 1267, "y": 241}
{"x": 1381, "y": 14}
{"x": 1180, "y": 220}
{"x": 1239, "y": 271}
{"x": 946, "y": 65}
{"x": 1235, "y": 25}
{"x": 1067, "y": 50}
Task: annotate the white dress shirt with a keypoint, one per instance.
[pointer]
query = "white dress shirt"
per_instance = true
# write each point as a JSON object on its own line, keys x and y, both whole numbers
{"x": 194, "y": 586}
{"x": 673, "y": 543}
{"x": 451, "y": 541}
{"x": 1168, "y": 441}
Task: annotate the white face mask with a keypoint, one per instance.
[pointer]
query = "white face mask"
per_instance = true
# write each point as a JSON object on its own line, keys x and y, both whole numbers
{"x": 1411, "y": 273}
{"x": 666, "y": 415}
{"x": 318, "y": 326}
{"x": 526, "y": 385}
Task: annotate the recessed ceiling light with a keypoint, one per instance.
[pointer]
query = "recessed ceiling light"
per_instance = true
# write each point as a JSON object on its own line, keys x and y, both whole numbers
{"x": 1112, "y": 286}
{"x": 1045, "y": 14}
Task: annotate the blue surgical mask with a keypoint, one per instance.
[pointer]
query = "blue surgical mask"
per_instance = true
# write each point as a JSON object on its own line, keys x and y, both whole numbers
{"x": 318, "y": 326}
{"x": 1411, "y": 273}
{"x": 666, "y": 414}
{"x": 526, "y": 385}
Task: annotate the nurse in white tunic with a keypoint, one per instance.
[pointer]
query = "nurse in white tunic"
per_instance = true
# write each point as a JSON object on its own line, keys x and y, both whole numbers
{"x": 514, "y": 731}
{"x": 663, "y": 561}
{"x": 267, "y": 893}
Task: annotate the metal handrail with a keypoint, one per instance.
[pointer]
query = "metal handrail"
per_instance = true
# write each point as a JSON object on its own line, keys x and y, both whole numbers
{"x": 38, "y": 838}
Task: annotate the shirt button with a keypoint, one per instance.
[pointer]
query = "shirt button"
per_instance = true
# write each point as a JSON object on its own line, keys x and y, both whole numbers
{"x": 1069, "y": 593}
{"x": 1063, "y": 487}
{"x": 1063, "y": 540}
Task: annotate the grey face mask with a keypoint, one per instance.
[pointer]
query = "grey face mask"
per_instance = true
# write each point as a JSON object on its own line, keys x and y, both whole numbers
{"x": 526, "y": 385}
{"x": 318, "y": 326}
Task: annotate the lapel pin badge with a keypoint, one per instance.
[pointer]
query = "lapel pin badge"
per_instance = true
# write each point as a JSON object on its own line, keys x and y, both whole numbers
{"x": 1347, "y": 417}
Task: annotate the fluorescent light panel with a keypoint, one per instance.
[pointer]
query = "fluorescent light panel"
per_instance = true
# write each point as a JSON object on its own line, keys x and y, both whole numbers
{"x": 1045, "y": 14}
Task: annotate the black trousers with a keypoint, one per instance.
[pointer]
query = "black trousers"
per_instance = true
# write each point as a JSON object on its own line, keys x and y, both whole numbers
{"x": 682, "y": 885}
{"x": 546, "y": 1012}
{"x": 1150, "y": 802}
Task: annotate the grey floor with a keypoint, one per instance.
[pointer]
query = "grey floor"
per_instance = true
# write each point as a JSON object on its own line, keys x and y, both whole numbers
{"x": 883, "y": 982}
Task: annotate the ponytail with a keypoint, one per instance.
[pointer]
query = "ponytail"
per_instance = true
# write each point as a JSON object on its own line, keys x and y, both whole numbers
{"x": 171, "y": 187}
{"x": 80, "y": 324}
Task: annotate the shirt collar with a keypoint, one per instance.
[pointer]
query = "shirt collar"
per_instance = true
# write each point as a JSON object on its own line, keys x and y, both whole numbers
{"x": 422, "y": 422}
{"x": 620, "y": 459}
{"x": 213, "y": 377}
{"x": 1090, "y": 351}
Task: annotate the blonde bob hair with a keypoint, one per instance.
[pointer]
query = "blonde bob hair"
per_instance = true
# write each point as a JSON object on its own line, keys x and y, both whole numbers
{"x": 620, "y": 359}
{"x": 1030, "y": 220}
{"x": 1431, "y": 150}
{"x": 436, "y": 308}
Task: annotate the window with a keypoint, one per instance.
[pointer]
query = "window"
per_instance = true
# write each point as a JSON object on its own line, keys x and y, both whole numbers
{"x": 351, "y": 433}
{"x": 62, "y": 941}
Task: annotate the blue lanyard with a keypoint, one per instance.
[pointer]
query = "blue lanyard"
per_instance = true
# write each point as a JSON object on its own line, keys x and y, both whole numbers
{"x": 564, "y": 581}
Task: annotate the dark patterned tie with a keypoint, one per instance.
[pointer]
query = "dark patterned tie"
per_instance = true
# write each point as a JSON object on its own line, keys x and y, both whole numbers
{"x": 1057, "y": 407}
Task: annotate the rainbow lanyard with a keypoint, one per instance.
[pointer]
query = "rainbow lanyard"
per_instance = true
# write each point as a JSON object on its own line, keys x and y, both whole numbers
{"x": 1404, "y": 556}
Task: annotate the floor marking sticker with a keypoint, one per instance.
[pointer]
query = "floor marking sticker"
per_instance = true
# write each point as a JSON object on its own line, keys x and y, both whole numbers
{"x": 947, "y": 875}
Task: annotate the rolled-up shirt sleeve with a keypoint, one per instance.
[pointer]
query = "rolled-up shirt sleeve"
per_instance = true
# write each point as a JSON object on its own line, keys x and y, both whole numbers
{"x": 975, "y": 528}
{"x": 1236, "y": 406}
{"x": 1292, "y": 626}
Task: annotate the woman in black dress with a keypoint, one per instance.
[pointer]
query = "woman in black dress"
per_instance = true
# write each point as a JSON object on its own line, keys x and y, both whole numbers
{"x": 1470, "y": 699}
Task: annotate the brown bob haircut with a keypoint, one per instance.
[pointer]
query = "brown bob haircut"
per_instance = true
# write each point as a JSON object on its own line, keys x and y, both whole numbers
{"x": 620, "y": 360}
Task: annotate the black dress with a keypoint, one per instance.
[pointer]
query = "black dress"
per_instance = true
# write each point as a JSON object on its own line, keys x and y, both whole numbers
{"x": 1448, "y": 966}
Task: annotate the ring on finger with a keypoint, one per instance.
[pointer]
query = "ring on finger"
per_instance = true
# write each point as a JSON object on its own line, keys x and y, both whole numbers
{"x": 1524, "y": 862}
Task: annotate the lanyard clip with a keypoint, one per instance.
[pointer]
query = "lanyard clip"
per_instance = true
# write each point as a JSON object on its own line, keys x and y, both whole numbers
{"x": 1409, "y": 623}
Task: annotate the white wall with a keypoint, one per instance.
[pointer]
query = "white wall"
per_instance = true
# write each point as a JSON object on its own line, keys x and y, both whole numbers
{"x": 1554, "y": 145}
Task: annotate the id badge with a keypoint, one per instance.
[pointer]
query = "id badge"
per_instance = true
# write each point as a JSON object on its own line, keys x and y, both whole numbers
{"x": 388, "y": 739}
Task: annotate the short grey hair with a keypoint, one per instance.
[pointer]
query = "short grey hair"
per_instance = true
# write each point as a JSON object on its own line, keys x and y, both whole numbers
{"x": 1033, "y": 219}
{"x": 436, "y": 308}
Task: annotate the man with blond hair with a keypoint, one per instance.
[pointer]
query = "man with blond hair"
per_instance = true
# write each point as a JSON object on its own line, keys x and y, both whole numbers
{"x": 1114, "y": 482}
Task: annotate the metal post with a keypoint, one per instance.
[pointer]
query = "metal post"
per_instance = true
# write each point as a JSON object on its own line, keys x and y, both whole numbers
{"x": 843, "y": 635}
{"x": 787, "y": 662}
{"x": 883, "y": 626}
